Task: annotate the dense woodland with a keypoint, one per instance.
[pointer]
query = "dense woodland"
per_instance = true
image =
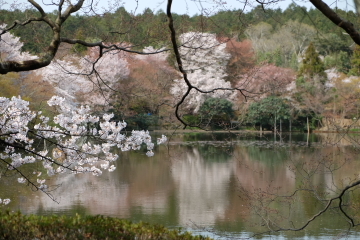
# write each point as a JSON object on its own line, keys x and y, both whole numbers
{"x": 295, "y": 65}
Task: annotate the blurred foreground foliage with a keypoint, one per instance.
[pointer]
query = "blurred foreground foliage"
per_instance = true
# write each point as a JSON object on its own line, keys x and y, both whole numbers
{"x": 18, "y": 226}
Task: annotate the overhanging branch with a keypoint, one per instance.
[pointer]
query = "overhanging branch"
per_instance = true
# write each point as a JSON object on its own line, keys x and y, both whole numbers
{"x": 47, "y": 56}
{"x": 336, "y": 19}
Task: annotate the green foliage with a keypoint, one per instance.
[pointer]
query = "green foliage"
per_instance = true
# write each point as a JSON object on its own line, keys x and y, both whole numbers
{"x": 339, "y": 60}
{"x": 275, "y": 57}
{"x": 294, "y": 62}
{"x": 312, "y": 66}
{"x": 344, "y": 63}
{"x": 355, "y": 62}
{"x": 192, "y": 119}
{"x": 300, "y": 81}
{"x": 305, "y": 86}
{"x": 142, "y": 121}
{"x": 15, "y": 226}
{"x": 267, "y": 110}
{"x": 78, "y": 48}
{"x": 148, "y": 28}
{"x": 217, "y": 107}
{"x": 216, "y": 112}
{"x": 331, "y": 43}
{"x": 330, "y": 61}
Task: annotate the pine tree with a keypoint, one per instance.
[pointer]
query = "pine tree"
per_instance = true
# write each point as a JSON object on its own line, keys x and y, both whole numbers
{"x": 312, "y": 67}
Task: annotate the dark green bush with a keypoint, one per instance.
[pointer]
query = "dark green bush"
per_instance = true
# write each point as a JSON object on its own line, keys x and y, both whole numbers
{"x": 18, "y": 226}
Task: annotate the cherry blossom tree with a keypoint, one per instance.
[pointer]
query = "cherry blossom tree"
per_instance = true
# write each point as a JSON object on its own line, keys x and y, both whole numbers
{"x": 204, "y": 60}
{"x": 74, "y": 141}
{"x": 267, "y": 79}
{"x": 10, "y": 47}
{"x": 102, "y": 74}
{"x": 242, "y": 59}
{"x": 66, "y": 77}
{"x": 88, "y": 79}
{"x": 59, "y": 73}
{"x": 147, "y": 88}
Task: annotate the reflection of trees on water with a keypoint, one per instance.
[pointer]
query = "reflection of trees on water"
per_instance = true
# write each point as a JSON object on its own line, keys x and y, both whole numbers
{"x": 319, "y": 173}
{"x": 327, "y": 171}
{"x": 96, "y": 194}
{"x": 278, "y": 155}
{"x": 340, "y": 139}
{"x": 261, "y": 168}
{"x": 201, "y": 187}
{"x": 211, "y": 153}
{"x": 210, "y": 185}
{"x": 209, "y": 136}
{"x": 141, "y": 183}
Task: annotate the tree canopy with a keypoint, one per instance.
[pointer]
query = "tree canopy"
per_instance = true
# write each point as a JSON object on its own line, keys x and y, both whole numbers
{"x": 268, "y": 110}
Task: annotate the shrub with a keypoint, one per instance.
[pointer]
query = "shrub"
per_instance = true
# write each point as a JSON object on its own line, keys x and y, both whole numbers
{"x": 18, "y": 226}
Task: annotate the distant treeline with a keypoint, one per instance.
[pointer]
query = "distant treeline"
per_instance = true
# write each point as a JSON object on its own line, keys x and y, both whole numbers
{"x": 149, "y": 28}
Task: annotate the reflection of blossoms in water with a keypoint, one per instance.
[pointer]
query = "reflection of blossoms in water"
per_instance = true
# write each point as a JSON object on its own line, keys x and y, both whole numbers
{"x": 201, "y": 187}
{"x": 5, "y": 201}
{"x": 120, "y": 193}
{"x": 85, "y": 190}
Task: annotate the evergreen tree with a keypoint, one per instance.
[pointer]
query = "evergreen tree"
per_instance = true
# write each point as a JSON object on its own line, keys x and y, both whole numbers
{"x": 312, "y": 67}
{"x": 355, "y": 62}
{"x": 268, "y": 111}
{"x": 216, "y": 112}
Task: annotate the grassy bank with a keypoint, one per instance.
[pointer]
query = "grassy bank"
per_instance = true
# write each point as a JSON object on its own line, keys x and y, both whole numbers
{"x": 20, "y": 227}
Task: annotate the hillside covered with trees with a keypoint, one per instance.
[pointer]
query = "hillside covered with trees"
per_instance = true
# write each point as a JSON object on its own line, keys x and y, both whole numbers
{"x": 295, "y": 59}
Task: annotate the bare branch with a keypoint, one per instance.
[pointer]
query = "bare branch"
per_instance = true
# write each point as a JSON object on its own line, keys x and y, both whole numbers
{"x": 178, "y": 60}
{"x": 38, "y": 7}
{"x": 71, "y": 9}
{"x": 336, "y": 19}
{"x": 109, "y": 47}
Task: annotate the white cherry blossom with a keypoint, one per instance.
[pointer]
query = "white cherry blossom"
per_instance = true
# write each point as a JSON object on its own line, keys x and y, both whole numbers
{"x": 74, "y": 141}
{"x": 204, "y": 60}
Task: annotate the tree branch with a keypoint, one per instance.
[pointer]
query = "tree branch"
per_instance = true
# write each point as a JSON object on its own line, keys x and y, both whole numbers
{"x": 336, "y": 19}
{"x": 178, "y": 60}
{"x": 46, "y": 57}
{"x": 109, "y": 47}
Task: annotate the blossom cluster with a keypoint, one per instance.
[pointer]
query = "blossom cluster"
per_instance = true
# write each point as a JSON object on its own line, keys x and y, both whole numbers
{"x": 204, "y": 60}
{"x": 10, "y": 47}
{"x": 74, "y": 141}
{"x": 5, "y": 201}
{"x": 73, "y": 77}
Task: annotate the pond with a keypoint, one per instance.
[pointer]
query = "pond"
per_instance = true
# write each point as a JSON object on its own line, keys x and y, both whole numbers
{"x": 223, "y": 185}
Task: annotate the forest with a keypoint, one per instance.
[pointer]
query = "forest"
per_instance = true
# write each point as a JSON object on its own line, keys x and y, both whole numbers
{"x": 294, "y": 67}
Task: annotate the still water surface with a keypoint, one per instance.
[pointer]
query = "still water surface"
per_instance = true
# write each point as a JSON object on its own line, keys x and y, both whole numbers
{"x": 211, "y": 184}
